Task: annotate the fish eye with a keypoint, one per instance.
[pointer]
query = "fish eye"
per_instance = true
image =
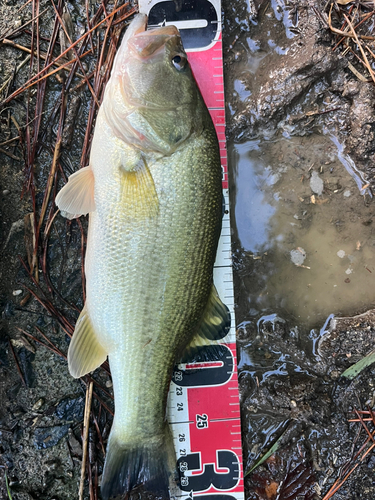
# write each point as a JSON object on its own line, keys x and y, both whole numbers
{"x": 179, "y": 62}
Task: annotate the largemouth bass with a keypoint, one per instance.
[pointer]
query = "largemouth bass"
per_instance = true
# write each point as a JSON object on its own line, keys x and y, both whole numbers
{"x": 153, "y": 191}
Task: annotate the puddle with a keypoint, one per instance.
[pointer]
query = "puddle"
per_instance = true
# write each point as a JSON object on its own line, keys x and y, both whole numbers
{"x": 305, "y": 236}
{"x": 305, "y": 226}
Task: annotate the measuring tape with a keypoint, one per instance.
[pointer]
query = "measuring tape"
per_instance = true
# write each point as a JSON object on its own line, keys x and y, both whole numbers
{"x": 203, "y": 403}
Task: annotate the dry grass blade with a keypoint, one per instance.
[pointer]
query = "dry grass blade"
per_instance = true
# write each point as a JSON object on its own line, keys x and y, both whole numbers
{"x": 85, "y": 437}
{"x": 56, "y": 156}
{"x": 360, "y": 48}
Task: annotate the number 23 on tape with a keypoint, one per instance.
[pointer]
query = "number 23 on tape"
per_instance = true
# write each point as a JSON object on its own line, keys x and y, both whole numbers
{"x": 203, "y": 404}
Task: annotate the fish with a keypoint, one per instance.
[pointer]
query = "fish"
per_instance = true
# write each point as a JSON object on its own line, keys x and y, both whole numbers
{"x": 153, "y": 192}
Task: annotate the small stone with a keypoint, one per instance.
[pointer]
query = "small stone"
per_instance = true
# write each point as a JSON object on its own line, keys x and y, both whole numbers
{"x": 49, "y": 436}
{"x": 347, "y": 193}
{"x": 6, "y": 192}
{"x": 293, "y": 404}
{"x": 109, "y": 383}
{"x": 341, "y": 254}
{"x": 349, "y": 271}
{"x": 298, "y": 256}
{"x": 70, "y": 409}
{"x": 18, "y": 23}
{"x": 316, "y": 183}
{"x": 74, "y": 444}
{"x": 17, "y": 292}
{"x": 38, "y": 404}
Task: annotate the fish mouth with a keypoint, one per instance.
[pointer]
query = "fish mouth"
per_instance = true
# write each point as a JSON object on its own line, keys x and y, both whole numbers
{"x": 144, "y": 43}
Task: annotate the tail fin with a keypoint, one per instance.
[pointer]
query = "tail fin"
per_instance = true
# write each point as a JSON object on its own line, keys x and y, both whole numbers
{"x": 149, "y": 464}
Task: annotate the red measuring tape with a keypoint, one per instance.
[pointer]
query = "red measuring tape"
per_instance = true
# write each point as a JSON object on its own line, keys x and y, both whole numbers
{"x": 203, "y": 405}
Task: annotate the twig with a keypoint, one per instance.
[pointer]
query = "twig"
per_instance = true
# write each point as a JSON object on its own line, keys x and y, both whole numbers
{"x": 17, "y": 364}
{"x": 361, "y": 48}
{"x": 85, "y": 437}
{"x": 10, "y": 141}
{"x": 11, "y": 155}
{"x": 26, "y": 49}
{"x": 20, "y": 29}
{"x": 72, "y": 47}
{"x": 16, "y": 71}
{"x": 51, "y": 175}
{"x": 344, "y": 33}
{"x": 337, "y": 484}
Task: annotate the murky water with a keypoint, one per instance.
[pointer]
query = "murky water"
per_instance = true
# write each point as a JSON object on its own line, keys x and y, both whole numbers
{"x": 304, "y": 228}
{"x": 304, "y": 236}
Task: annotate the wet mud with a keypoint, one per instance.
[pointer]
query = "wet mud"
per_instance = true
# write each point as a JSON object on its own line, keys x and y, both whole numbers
{"x": 301, "y": 144}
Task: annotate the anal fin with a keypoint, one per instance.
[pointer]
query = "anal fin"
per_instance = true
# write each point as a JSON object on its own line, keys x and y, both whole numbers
{"x": 85, "y": 352}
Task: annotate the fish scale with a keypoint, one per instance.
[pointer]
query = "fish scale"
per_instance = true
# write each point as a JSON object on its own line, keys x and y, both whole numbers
{"x": 130, "y": 279}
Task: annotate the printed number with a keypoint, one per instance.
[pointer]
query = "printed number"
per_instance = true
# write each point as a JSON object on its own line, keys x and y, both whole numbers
{"x": 178, "y": 391}
{"x": 220, "y": 480}
{"x": 181, "y": 438}
{"x": 180, "y": 406}
{"x": 201, "y": 421}
{"x": 204, "y": 376}
{"x": 183, "y": 452}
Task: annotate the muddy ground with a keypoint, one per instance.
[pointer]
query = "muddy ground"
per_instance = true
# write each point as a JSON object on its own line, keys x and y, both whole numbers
{"x": 289, "y": 373}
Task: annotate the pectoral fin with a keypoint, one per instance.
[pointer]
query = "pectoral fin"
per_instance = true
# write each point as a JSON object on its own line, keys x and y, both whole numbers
{"x": 77, "y": 196}
{"x": 139, "y": 197}
{"x": 214, "y": 326}
{"x": 85, "y": 352}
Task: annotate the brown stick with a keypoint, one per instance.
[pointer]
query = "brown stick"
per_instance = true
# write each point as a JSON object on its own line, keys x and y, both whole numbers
{"x": 11, "y": 155}
{"x": 9, "y": 141}
{"x": 17, "y": 364}
{"x": 344, "y": 33}
{"x": 85, "y": 437}
{"x": 360, "y": 48}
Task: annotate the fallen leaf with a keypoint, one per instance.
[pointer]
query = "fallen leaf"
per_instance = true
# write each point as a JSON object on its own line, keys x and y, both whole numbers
{"x": 298, "y": 483}
{"x": 271, "y": 490}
